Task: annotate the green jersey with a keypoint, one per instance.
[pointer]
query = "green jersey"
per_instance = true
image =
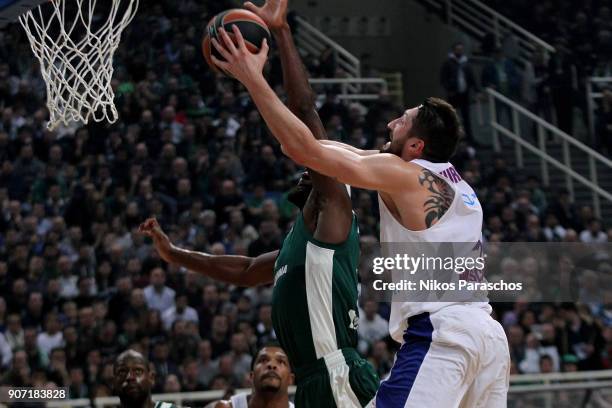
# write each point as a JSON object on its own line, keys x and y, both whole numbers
{"x": 314, "y": 301}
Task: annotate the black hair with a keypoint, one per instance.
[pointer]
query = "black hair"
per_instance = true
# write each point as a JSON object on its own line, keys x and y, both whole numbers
{"x": 544, "y": 357}
{"x": 271, "y": 343}
{"x": 438, "y": 125}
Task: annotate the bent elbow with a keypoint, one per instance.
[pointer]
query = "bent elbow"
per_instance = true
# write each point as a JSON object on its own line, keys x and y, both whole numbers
{"x": 294, "y": 153}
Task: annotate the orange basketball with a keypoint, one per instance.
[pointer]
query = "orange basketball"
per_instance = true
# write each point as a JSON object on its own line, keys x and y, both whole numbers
{"x": 252, "y": 27}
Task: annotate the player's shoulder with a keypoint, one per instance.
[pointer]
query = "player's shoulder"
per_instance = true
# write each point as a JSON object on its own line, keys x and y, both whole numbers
{"x": 413, "y": 167}
{"x": 392, "y": 159}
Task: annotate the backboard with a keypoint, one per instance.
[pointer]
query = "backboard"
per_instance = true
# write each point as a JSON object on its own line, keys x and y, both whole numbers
{"x": 10, "y": 10}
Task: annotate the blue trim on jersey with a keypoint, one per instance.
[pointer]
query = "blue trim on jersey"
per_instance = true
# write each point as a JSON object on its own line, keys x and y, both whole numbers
{"x": 394, "y": 391}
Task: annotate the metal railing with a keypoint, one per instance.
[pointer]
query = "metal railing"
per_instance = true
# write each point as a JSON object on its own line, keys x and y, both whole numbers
{"x": 594, "y": 85}
{"x": 312, "y": 40}
{"x": 564, "y": 164}
{"x": 372, "y": 89}
{"x": 519, "y": 384}
{"x": 352, "y": 86}
{"x": 395, "y": 83}
{"x": 548, "y": 390}
{"x": 478, "y": 20}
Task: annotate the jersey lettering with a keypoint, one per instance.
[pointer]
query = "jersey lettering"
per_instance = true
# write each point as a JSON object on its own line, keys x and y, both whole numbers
{"x": 452, "y": 174}
{"x": 279, "y": 273}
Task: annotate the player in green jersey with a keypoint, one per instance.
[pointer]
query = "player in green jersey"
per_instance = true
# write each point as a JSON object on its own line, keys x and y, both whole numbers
{"x": 133, "y": 380}
{"x": 314, "y": 309}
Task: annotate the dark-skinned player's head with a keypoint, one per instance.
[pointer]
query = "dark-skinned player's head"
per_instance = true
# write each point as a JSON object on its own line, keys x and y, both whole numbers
{"x": 298, "y": 195}
{"x": 271, "y": 371}
{"x": 133, "y": 379}
{"x": 430, "y": 131}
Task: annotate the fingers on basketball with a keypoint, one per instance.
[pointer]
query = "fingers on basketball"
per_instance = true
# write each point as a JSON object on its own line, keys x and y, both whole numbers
{"x": 239, "y": 39}
{"x": 251, "y": 7}
{"x": 264, "y": 46}
{"x": 227, "y": 42}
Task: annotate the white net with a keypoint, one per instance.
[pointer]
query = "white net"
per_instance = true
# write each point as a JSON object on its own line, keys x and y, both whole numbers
{"x": 74, "y": 41}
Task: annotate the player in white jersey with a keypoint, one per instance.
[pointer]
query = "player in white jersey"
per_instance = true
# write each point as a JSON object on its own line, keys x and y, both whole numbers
{"x": 271, "y": 377}
{"x": 453, "y": 354}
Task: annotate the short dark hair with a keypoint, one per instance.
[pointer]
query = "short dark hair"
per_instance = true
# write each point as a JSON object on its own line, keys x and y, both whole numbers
{"x": 438, "y": 125}
{"x": 270, "y": 343}
{"x": 545, "y": 357}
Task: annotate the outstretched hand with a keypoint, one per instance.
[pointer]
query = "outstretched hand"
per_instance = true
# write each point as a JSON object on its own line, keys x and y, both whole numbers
{"x": 241, "y": 63}
{"x": 273, "y": 12}
{"x": 162, "y": 243}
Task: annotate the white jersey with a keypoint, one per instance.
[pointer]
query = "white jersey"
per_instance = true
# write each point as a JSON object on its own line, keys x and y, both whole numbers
{"x": 462, "y": 222}
{"x": 242, "y": 401}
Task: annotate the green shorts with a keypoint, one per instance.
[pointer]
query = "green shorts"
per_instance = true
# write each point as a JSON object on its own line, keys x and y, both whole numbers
{"x": 341, "y": 379}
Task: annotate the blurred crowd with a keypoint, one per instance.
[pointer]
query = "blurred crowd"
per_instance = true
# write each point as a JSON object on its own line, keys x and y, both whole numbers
{"x": 78, "y": 284}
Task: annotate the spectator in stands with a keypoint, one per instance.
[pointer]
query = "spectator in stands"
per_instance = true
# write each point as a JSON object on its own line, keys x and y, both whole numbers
{"x": 207, "y": 368}
{"x": 172, "y": 384}
{"x": 57, "y": 370}
{"x": 594, "y": 233}
{"x": 14, "y": 332}
{"x": 604, "y": 122}
{"x": 240, "y": 354}
{"x": 570, "y": 363}
{"x": 68, "y": 280}
{"x": 381, "y": 358}
{"x": 157, "y": 294}
{"x": 269, "y": 239}
{"x": 516, "y": 342}
{"x": 52, "y": 337}
{"x": 34, "y": 313}
{"x": 553, "y": 231}
{"x": 565, "y": 210}
{"x": 6, "y": 354}
{"x": 536, "y": 90}
{"x": 78, "y": 388}
{"x": 458, "y": 80}
{"x": 372, "y": 327}
{"x": 546, "y": 364}
{"x": 189, "y": 376}
{"x": 264, "y": 330}
{"x": 219, "y": 335}
{"x": 502, "y": 75}
{"x": 562, "y": 78}
{"x": 160, "y": 360}
{"x": 18, "y": 372}
{"x": 181, "y": 311}
{"x": 531, "y": 362}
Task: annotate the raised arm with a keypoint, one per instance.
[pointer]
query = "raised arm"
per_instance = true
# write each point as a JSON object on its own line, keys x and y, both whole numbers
{"x": 383, "y": 172}
{"x": 350, "y": 148}
{"x": 300, "y": 96}
{"x": 335, "y": 220}
{"x": 237, "y": 270}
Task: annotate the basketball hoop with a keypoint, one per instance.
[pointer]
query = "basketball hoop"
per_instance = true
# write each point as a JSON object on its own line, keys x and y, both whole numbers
{"x": 74, "y": 41}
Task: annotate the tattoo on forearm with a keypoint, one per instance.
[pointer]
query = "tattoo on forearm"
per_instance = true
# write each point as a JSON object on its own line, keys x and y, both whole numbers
{"x": 440, "y": 199}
